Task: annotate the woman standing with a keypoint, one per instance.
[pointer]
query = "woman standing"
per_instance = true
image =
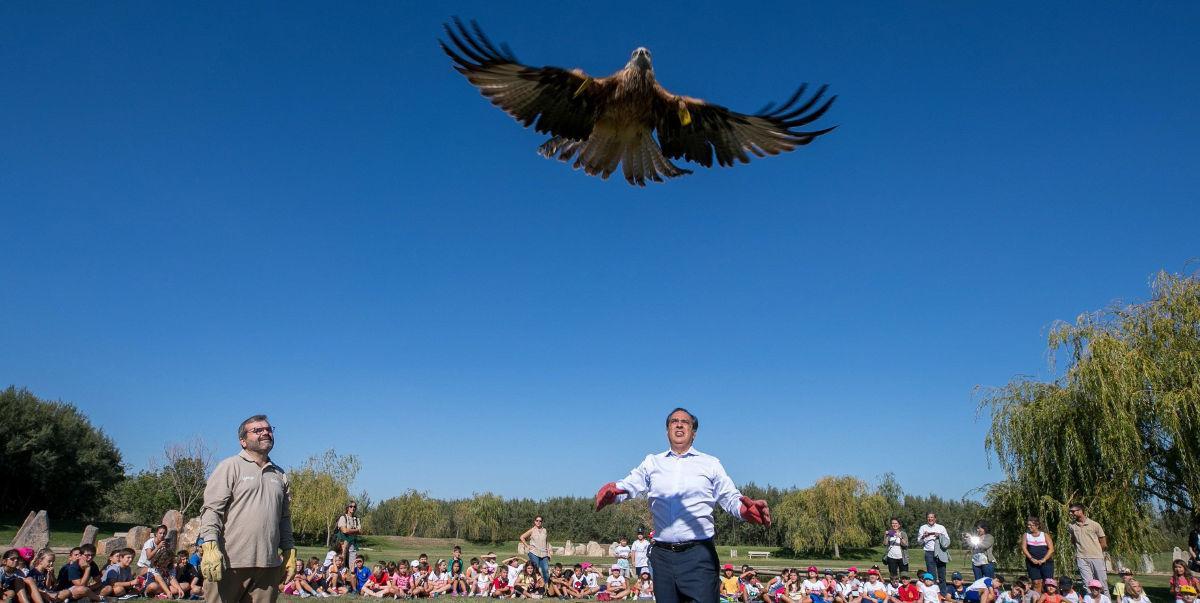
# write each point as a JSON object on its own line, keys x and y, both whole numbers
{"x": 1038, "y": 548}
{"x": 538, "y": 549}
{"x": 895, "y": 540}
{"x": 983, "y": 561}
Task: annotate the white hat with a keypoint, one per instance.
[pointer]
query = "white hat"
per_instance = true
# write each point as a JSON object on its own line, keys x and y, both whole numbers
{"x": 415, "y": 563}
{"x": 615, "y": 567}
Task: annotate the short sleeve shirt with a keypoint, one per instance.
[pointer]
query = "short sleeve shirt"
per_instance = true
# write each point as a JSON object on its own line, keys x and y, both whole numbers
{"x": 1086, "y": 537}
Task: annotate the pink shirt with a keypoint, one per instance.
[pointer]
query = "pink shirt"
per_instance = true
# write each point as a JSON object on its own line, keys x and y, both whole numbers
{"x": 401, "y": 582}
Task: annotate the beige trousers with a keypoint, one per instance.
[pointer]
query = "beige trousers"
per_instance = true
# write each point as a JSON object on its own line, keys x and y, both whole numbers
{"x": 245, "y": 585}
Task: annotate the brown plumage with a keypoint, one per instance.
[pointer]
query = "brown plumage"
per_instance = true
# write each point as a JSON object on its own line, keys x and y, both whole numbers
{"x": 609, "y": 121}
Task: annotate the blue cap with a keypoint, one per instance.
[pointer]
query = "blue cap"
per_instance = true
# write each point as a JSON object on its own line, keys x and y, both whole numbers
{"x": 927, "y": 576}
{"x": 956, "y": 576}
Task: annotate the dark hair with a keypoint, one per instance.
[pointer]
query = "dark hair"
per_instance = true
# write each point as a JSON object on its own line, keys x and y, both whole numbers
{"x": 87, "y": 548}
{"x": 928, "y": 513}
{"x": 998, "y": 577}
{"x": 895, "y": 519}
{"x": 11, "y": 554}
{"x": 1035, "y": 520}
{"x": 457, "y": 548}
{"x": 695, "y": 421}
{"x": 983, "y": 525}
{"x": 75, "y": 549}
{"x": 160, "y": 527}
{"x": 242, "y": 427}
{"x": 1076, "y": 505}
{"x": 474, "y": 559}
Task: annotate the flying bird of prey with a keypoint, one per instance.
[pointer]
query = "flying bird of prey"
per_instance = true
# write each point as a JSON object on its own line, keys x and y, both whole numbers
{"x": 601, "y": 122}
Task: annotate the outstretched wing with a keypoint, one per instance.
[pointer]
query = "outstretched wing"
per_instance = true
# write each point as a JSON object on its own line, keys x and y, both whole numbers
{"x": 732, "y": 135}
{"x": 555, "y": 101}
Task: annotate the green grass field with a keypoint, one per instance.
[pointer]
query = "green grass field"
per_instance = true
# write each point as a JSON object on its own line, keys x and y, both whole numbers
{"x": 394, "y": 548}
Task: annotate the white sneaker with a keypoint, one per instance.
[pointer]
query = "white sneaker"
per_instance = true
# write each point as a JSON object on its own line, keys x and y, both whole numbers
{"x": 304, "y": 594}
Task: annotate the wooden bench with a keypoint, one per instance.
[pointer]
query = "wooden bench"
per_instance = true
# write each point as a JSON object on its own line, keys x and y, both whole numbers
{"x": 758, "y": 554}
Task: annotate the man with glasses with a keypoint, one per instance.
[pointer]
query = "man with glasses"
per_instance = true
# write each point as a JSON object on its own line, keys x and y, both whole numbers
{"x": 349, "y": 526}
{"x": 246, "y": 521}
{"x": 684, "y": 485}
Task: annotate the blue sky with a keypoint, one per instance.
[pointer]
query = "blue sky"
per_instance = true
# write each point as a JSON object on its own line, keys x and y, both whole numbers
{"x": 301, "y": 209}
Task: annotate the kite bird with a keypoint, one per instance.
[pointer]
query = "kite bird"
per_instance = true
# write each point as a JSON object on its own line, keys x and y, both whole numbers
{"x": 601, "y": 122}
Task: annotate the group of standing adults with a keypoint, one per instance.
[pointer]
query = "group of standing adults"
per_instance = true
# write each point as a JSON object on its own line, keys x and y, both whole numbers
{"x": 1037, "y": 547}
{"x": 246, "y": 521}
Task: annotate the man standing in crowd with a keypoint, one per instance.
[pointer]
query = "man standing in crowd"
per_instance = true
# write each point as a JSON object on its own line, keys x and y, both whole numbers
{"x": 641, "y": 553}
{"x": 246, "y": 521}
{"x": 349, "y": 526}
{"x": 684, "y": 485}
{"x": 936, "y": 540}
{"x": 1090, "y": 544}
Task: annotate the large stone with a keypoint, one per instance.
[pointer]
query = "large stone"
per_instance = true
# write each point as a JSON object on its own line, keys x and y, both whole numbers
{"x": 89, "y": 535}
{"x": 594, "y": 549}
{"x": 137, "y": 536}
{"x": 558, "y": 551}
{"x": 569, "y": 548}
{"x": 580, "y": 550}
{"x": 521, "y": 548}
{"x": 190, "y": 532}
{"x": 1177, "y": 555}
{"x": 1147, "y": 564}
{"x": 173, "y": 520}
{"x": 106, "y": 547}
{"x": 612, "y": 550}
{"x": 34, "y": 533}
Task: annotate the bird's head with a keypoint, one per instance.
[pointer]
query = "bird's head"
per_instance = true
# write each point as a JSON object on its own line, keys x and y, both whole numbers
{"x": 640, "y": 59}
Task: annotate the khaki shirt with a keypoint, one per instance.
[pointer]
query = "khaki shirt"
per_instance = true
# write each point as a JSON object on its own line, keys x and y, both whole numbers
{"x": 1086, "y": 537}
{"x": 247, "y": 510}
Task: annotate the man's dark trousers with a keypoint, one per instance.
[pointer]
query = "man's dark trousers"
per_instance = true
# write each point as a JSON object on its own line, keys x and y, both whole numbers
{"x": 687, "y": 575}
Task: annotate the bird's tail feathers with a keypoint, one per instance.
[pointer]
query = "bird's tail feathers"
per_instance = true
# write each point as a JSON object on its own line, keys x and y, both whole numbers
{"x": 637, "y": 153}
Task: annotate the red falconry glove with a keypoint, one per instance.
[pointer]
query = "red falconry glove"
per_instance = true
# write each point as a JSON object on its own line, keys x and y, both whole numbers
{"x": 607, "y": 495}
{"x": 755, "y": 511}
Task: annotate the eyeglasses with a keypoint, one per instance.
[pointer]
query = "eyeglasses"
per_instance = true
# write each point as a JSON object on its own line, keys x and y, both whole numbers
{"x": 260, "y": 430}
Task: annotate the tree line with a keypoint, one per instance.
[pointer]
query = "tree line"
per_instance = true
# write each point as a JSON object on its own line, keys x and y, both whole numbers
{"x": 1115, "y": 431}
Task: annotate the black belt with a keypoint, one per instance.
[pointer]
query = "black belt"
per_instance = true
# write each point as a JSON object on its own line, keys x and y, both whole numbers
{"x": 676, "y": 547}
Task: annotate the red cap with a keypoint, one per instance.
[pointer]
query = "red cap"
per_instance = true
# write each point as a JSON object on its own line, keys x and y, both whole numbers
{"x": 728, "y": 566}
{"x": 853, "y": 569}
{"x": 813, "y": 568}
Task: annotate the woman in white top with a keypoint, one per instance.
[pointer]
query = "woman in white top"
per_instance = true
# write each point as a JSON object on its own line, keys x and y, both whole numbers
{"x": 1038, "y": 548}
{"x": 896, "y": 542}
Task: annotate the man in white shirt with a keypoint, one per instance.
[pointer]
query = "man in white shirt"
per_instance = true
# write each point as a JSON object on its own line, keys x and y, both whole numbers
{"x": 641, "y": 553}
{"x": 934, "y": 538}
{"x": 684, "y": 485}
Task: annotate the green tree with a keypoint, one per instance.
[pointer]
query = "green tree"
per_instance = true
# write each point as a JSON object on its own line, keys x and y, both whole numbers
{"x": 54, "y": 458}
{"x": 1117, "y": 431}
{"x": 138, "y": 499}
{"x": 835, "y": 512}
{"x": 320, "y": 490}
{"x": 479, "y": 517}
{"x": 404, "y": 515}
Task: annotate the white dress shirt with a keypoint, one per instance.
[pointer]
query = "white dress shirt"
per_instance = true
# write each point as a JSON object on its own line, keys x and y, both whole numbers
{"x": 683, "y": 490}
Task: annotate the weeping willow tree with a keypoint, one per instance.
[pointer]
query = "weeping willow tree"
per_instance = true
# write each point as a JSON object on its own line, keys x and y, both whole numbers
{"x": 835, "y": 512}
{"x": 1119, "y": 431}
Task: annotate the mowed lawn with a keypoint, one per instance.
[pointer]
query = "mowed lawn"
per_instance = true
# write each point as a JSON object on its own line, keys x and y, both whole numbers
{"x": 395, "y": 548}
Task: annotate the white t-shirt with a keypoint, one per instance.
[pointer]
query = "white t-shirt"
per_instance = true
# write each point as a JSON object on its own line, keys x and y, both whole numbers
{"x": 144, "y": 559}
{"x": 592, "y": 581}
{"x": 622, "y": 551}
{"x": 813, "y": 587}
{"x": 872, "y": 586}
{"x": 1103, "y": 598}
{"x": 436, "y": 577}
{"x": 642, "y": 548}
{"x": 930, "y": 593}
{"x": 1072, "y": 596}
{"x": 513, "y": 572}
{"x": 980, "y": 584}
{"x": 615, "y": 582}
{"x": 1142, "y": 599}
{"x": 931, "y": 544}
{"x": 328, "y": 560}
